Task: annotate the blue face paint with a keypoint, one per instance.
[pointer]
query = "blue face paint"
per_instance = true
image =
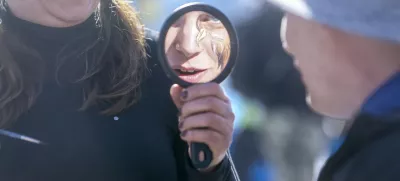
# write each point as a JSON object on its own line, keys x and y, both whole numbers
{"x": 386, "y": 100}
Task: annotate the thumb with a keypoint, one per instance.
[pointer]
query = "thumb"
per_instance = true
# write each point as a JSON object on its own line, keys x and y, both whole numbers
{"x": 175, "y": 92}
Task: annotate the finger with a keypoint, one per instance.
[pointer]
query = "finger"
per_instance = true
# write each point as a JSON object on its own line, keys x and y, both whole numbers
{"x": 207, "y": 120}
{"x": 175, "y": 93}
{"x": 207, "y": 104}
{"x": 203, "y": 90}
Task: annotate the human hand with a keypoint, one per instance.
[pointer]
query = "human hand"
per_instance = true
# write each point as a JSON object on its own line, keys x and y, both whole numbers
{"x": 206, "y": 116}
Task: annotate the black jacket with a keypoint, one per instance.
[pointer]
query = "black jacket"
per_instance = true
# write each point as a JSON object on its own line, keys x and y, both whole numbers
{"x": 370, "y": 152}
{"x": 140, "y": 144}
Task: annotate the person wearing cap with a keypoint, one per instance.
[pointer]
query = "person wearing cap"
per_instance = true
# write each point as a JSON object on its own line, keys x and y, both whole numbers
{"x": 348, "y": 53}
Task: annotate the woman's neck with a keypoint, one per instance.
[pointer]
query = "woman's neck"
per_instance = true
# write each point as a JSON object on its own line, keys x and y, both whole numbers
{"x": 53, "y": 13}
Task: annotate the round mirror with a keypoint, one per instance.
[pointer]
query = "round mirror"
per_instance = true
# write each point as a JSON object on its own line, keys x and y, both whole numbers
{"x": 197, "y": 44}
{"x": 197, "y": 47}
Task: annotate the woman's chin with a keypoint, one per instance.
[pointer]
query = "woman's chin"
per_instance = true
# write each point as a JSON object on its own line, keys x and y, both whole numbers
{"x": 209, "y": 77}
{"x": 73, "y": 14}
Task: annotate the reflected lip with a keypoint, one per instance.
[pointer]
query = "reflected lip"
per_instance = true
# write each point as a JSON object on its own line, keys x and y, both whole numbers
{"x": 190, "y": 74}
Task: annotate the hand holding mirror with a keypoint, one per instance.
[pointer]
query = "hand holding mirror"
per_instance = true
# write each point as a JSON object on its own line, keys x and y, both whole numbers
{"x": 197, "y": 44}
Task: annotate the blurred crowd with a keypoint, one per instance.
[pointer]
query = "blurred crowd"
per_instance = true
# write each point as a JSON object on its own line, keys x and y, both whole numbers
{"x": 277, "y": 137}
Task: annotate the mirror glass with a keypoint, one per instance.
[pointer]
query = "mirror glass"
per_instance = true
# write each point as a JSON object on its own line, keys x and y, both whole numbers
{"x": 197, "y": 47}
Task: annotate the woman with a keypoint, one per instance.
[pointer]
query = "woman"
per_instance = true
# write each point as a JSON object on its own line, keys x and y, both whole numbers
{"x": 75, "y": 81}
{"x": 348, "y": 52}
{"x": 197, "y": 47}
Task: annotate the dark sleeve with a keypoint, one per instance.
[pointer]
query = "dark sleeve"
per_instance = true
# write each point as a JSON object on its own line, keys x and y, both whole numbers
{"x": 378, "y": 161}
{"x": 225, "y": 171}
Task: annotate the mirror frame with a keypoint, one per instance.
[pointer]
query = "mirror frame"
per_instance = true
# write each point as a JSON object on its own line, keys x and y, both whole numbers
{"x": 177, "y": 13}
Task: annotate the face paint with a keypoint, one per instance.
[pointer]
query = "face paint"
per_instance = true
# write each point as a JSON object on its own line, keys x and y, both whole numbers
{"x": 217, "y": 44}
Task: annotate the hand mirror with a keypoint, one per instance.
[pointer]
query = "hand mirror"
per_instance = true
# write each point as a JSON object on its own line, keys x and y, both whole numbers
{"x": 197, "y": 44}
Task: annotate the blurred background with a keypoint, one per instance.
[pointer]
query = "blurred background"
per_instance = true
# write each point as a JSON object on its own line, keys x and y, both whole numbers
{"x": 277, "y": 137}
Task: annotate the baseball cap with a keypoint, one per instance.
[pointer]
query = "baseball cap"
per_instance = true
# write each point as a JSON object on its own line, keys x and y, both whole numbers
{"x": 373, "y": 18}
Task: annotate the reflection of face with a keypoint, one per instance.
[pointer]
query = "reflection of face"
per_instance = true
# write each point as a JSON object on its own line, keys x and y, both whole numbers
{"x": 197, "y": 47}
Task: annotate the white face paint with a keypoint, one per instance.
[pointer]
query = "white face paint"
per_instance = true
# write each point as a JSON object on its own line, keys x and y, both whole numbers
{"x": 283, "y": 32}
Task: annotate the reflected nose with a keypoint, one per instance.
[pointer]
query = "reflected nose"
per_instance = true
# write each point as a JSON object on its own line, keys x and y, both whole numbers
{"x": 188, "y": 40}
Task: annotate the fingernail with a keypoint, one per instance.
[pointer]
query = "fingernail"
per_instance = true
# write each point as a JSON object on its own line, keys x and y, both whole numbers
{"x": 184, "y": 133}
{"x": 184, "y": 94}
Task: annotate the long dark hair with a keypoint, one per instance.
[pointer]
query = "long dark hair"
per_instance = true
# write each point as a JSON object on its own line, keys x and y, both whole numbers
{"x": 114, "y": 81}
